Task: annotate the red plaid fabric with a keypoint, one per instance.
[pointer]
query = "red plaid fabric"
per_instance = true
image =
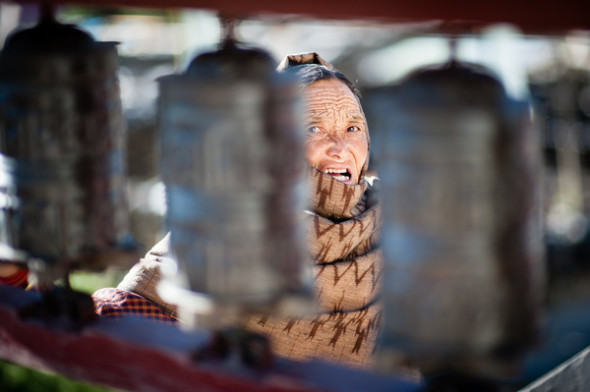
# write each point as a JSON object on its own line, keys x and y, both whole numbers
{"x": 20, "y": 279}
{"x": 114, "y": 303}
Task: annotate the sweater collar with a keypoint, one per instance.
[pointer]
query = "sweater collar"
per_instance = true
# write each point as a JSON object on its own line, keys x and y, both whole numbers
{"x": 334, "y": 199}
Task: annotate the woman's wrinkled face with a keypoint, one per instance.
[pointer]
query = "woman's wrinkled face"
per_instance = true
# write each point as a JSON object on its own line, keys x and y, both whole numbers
{"x": 336, "y": 130}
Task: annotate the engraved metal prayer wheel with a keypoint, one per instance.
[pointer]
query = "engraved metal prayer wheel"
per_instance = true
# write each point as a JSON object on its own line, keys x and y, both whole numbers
{"x": 462, "y": 234}
{"x": 62, "y": 157}
{"x": 232, "y": 164}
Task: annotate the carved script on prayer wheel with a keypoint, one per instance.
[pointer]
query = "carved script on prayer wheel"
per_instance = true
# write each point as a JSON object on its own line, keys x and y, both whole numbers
{"x": 233, "y": 168}
{"x": 62, "y": 159}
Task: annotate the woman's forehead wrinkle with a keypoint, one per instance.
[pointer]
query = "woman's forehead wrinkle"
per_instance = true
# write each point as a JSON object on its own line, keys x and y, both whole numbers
{"x": 328, "y": 99}
{"x": 347, "y": 111}
{"x": 358, "y": 117}
{"x": 334, "y": 115}
{"x": 332, "y": 104}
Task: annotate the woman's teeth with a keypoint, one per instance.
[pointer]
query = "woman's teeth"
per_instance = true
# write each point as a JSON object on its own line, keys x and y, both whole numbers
{"x": 338, "y": 174}
{"x": 340, "y": 178}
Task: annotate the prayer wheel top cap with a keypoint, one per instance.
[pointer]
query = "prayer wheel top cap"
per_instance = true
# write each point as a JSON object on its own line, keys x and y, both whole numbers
{"x": 48, "y": 37}
{"x": 452, "y": 83}
{"x": 231, "y": 62}
{"x": 51, "y": 52}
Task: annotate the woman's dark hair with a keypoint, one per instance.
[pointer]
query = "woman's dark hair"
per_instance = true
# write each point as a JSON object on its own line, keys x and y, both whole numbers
{"x": 307, "y": 74}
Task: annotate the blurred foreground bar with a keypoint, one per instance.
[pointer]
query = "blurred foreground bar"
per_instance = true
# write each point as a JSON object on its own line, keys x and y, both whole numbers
{"x": 572, "y": 375}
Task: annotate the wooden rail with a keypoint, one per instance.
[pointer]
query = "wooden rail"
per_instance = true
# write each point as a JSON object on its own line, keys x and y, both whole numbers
{"x": 541, "y": 16}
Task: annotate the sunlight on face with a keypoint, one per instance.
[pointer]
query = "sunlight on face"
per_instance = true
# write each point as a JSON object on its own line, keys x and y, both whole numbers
{"x": 336, "y": 130}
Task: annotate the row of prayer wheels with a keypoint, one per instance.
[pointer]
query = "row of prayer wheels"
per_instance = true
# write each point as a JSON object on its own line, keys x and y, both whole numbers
{"x": 457, "y": 164}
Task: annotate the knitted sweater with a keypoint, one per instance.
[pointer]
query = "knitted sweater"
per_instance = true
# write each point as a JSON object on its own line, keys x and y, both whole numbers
{"x": 344, "y": 230}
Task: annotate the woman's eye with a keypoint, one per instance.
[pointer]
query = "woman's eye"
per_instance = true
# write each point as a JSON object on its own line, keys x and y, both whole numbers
{"x": 313, "y": 129}
{"x": 353, "y": 129}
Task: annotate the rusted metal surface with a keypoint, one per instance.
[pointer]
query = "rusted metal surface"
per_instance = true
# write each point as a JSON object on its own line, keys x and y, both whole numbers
{"x": 462, "y": 236}
{"x": 140, "y": 355}
{"x": 62, "y": 146}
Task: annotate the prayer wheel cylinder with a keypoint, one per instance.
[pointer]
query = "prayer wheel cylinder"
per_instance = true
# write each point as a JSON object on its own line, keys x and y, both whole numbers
{"x": 62, "y": 158}
{"x": 233, "y": 168}
{"x": 462, "y": 236}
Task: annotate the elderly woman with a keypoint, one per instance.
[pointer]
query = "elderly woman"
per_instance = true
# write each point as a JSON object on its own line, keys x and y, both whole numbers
{"x": 342, "y": 236}
{"x": 344, "y": 229}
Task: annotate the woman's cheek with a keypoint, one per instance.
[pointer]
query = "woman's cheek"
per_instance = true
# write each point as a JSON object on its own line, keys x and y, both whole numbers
{"x": 311, "y": 150}
{"x": 360, "y": 148}
{"x": 360, "y": 144}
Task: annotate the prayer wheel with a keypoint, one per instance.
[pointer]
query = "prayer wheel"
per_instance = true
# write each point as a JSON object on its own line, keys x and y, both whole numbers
{"x": 233, "y": 169}
{"x": 462, "y": 235}
{"x": 62, "y": 157}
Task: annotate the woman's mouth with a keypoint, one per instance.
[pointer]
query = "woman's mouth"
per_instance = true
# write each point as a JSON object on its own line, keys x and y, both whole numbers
{"x": 342, "y": 175}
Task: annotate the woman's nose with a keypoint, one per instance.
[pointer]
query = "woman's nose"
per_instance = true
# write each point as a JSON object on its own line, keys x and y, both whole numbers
{"x": 337, "y": 148}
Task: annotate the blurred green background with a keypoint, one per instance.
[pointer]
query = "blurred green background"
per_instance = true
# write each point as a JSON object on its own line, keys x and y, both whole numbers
{"x": 18, "y": 379}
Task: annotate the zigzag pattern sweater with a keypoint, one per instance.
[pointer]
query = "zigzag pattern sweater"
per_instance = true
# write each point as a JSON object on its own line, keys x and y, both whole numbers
{"x": 343, "y": 234}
